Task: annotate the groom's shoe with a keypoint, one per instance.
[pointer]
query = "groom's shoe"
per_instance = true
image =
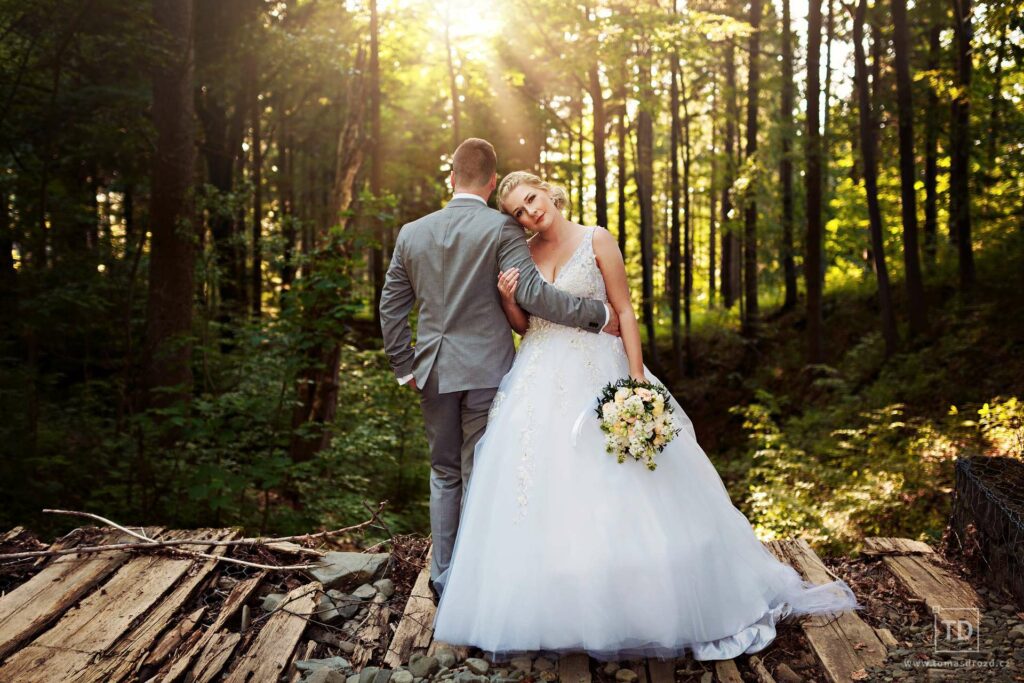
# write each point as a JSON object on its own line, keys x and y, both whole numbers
{"x": 434, "y": 591}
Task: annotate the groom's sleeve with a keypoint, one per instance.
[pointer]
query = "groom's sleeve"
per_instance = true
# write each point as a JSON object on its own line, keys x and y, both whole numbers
{"x": 537, "y": 296}
{"x": 396, "y": 301}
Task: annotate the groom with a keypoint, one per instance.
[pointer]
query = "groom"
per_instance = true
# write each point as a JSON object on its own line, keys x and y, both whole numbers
{"x": 449, "y": 261}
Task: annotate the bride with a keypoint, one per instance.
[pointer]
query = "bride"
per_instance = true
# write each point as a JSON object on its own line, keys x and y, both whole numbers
{"x": 561, "y": 548}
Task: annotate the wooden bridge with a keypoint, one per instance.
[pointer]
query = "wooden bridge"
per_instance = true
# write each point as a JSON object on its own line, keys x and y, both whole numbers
{"x": 158, "y": 616}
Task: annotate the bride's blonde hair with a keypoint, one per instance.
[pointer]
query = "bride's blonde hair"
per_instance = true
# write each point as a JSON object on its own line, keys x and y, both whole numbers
{"x": 517, "y": 178}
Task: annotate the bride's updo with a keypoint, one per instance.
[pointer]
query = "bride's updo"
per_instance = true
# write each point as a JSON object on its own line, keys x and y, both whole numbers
{"x": 517, "y": 178}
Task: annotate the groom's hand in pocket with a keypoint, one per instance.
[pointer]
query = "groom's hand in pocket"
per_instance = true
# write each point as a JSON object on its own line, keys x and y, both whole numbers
{"x": 412, "y": 383}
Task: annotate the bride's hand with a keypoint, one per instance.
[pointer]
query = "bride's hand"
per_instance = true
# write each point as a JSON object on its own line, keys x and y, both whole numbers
{"x": 507, "y": 282}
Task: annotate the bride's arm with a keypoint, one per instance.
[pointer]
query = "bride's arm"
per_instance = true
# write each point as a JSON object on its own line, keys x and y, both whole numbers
{"x": 609, "y": 260}
{"x": 507, "y": 282}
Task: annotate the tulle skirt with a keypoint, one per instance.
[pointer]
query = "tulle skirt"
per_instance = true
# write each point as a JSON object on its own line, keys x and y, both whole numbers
{"x": 563, "y": 549}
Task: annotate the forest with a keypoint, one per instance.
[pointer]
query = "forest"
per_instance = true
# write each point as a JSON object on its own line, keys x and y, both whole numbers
{"x": 819, "y": 204}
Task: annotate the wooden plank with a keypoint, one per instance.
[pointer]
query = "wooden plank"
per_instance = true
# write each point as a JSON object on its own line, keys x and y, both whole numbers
{"x": 68, "y": 649}
{"x": 640, "y": 669}
{"x": 270, "y": 653}
{"x": 887, "y": 638}
{"x": 923, "y": 577}
{"x": 843, "y": 644}
{"x": 895, "y": 546}
{"x": 296, "y": 675}
{"x": 125, "y": 657}
{"x": 662, "y": 670}
{"x": 239, "y": 594}
{"x": 758, "y": 667}
{"x": 369, "y": 636}
{"x": 9, "y": 536}
{"x": 31, "y": 607}
{"x": 574, "y": 668}
{"x": 416, "y": 627}
{"x": 726, "y": 671}
{"x": 174, "y": 637}
{"x": 214, "y": 657}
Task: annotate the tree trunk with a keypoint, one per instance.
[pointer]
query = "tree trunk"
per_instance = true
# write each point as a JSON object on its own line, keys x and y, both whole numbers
{"x": 730, "y": 245}
{"x": 687, "y": 237}
{"x": 645, "y": 190}
{"x": 376, "y": 166}
{"x": 814, "y": 185}
{"x": 286, "y": 191}
{"x": 623, "y": 131}
{"x": 960, "y": 145}
{"x": 167, "y": 373}
{"x": 674, "y": 255}
{"x": 256, "y": 111}
{"x": 826, "y": 113}
{"x": 931, "y": 153}
{"x": 600, "y": 161}
{"x": 868, "y": 133}
{"x": 916, "y": 305}
{"x": 452, "y": 82}
{"x": 786, "y": 161}
{"x": 712, "y": 197}
{"x": 751, "y": 319}
{"x": 995, "y": 109}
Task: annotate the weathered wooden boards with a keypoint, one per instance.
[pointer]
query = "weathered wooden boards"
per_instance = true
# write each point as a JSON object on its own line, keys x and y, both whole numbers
{"x": 104, "y": 621}
{"x": 34, "y": 605}
{"x": 214, "y": 646}
{"x": 416, "y": 627}
{"x": 662, "y": 670}
{"x": 574, "y": 668}
{"x": 726, "y": 671}
{"x": 269, "y": 655}
{"x": 843, "y": 644}
{"x": 912, "y": 563}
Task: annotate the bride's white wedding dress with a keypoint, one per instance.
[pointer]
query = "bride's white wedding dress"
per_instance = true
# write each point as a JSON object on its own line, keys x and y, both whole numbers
{"x": 561, "y": 548}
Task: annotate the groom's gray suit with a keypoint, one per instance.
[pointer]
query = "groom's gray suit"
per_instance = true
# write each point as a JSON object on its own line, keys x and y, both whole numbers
{"x": 449, "y": 261}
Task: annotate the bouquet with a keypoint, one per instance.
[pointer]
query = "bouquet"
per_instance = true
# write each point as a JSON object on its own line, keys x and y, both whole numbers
{"x": 636, "y": 418}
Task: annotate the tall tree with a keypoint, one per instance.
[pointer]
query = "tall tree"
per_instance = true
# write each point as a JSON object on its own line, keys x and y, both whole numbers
{"x": 786, "y": 160}
{"x": 916, "y": 304}
{"x": 868, "y": 133}
{"x": 376, "y": 164}
{"x": 730, "y": 243}
{"x": 674, "y": 253}
{"x": 600, "y": 160}
{"x": 623, "y": 142}
{"x": 814, "y": 185}
{"x": 752, "y": 314}
{"x": 712, "y": 198}
{"x": 645, "y": 190}
{"x": 167, "y": 373}
{"x": 960, "y": 145}
{"x": 931, "y": 149}
{"x": 256, "y": 114}
{"x": 687, "y": 234}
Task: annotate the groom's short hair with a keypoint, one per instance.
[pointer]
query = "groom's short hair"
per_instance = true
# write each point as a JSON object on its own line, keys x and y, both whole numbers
{"x": 474, "y": 163}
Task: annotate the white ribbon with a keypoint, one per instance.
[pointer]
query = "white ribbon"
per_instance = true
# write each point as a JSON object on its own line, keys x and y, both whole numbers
{"x": 578, "y": 426}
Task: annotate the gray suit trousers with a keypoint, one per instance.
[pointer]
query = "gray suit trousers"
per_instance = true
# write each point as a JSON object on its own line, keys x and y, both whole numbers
{"x": 455, "y": 422}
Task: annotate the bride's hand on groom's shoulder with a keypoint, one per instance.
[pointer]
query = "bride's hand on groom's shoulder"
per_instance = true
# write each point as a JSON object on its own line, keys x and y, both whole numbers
{"x": 612, "y": 327}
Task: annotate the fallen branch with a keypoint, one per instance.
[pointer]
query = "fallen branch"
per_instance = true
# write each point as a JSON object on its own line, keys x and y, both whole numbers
{"x": 147, "y": 543}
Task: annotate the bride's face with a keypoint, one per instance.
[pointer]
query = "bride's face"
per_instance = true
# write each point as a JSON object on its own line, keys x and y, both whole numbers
{"x": 532, "y": 207}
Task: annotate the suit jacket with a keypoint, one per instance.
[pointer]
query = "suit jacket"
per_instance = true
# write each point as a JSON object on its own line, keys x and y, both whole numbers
{"x": 449, "y": 261}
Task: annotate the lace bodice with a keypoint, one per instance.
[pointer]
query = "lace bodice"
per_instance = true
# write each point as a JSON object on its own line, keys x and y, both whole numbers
{"x": 580, "y": 276}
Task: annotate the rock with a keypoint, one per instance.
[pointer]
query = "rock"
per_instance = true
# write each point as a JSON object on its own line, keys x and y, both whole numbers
{"x": 706, "y": 677}
{"x": 324, "y": 676}
{"x": 341, "y": 570}
{"x": 415, "y": 657}
{"x": 1008, "y": 609}
{"x": 1017, "y": 632}
{"x": 477, "y": 665}
{"x": 385, "y": 587}
{"x": 443, "y": 672}
{"x": 383, "y": 676}
{"x": 402, "y": 677}
{"x": 364, "y": 592}
{"x": 354, "y": 678}
{"x": 339, "y": 664}
{"x": 423, "y": 667}
{"x": 470, "y": 677}
{"x": 445, "y": 657}
{"x": 368, "y": 674}
{"x": 786, "y": 675}
{"x": 272, "y": 601}
{"x": 625, "y": 675}
{"x": 346, "y": 605}
{"x": 611, "y": 667}
{"x": 524, "y": 664}
{"x": 543, "y": 664}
